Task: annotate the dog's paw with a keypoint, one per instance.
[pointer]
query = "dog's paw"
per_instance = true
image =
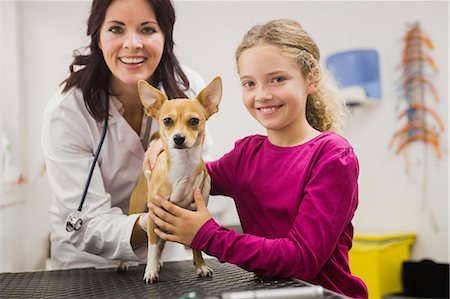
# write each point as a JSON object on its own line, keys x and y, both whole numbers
{"x": 204, "y": 271}
{"x": 151, "y": 277}
{"x": 123, "y": 266}
{"x": 151, "y": 272}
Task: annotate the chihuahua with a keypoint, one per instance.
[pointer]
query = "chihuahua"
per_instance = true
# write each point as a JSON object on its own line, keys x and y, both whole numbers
{"x": 179, "y": 169}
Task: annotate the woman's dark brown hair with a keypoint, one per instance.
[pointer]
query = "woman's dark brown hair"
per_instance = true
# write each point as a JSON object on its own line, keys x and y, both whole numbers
{"x": 91, "y": 74}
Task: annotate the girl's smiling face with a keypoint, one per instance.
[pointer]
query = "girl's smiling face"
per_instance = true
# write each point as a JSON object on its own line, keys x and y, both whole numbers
{"x": 131, "y": 41}
{"x": 274, "y": 89}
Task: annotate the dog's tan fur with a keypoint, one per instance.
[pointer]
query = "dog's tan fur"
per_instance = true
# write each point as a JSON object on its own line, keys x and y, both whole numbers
{"x": 179, "y": 168}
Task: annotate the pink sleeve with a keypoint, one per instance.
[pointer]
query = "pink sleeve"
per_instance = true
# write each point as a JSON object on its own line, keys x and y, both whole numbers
{"x": 250, "y": 252}
{"x": 322, "y": 225}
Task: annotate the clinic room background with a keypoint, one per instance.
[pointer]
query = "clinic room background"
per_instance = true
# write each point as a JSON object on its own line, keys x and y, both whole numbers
{"x": 402, "y": 192}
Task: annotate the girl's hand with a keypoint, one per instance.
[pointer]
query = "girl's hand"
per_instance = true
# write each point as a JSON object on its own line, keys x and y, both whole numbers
{"x": 154, "y": 149}
{"x": 178, "y": 224}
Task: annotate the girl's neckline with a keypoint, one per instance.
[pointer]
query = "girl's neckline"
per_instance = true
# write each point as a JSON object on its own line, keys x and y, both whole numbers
{"x": 308, "y": 142}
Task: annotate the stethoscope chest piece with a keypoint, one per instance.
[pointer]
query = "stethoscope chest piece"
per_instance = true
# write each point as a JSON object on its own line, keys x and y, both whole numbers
{"x": 74, "y": 222}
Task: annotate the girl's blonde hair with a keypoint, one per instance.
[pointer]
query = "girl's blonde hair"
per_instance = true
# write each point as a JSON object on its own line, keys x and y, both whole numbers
{"x": 325, "y": 110}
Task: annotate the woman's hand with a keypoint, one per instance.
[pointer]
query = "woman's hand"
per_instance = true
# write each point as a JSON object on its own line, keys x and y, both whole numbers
{"x": 177, "y": 224}
{"x": 154, "y": 149}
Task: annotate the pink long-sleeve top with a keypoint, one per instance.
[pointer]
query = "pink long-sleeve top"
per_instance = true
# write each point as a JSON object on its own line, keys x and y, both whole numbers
{"x": 295, "y": 205}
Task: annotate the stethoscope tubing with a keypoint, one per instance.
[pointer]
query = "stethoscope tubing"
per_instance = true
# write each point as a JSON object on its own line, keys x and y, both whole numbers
{"x": 97, "y": 153}
{"x": 74, "y": 222}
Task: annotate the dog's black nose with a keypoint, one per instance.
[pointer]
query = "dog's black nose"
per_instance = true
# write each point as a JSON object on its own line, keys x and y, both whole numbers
{"x": 178, "y": 139}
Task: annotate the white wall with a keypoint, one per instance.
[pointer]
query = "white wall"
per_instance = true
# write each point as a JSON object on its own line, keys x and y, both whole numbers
{"x": 207, "y": 34}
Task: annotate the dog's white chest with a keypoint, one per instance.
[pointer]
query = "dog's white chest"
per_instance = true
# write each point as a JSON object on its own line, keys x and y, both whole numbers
{"x": 183, "y": 165}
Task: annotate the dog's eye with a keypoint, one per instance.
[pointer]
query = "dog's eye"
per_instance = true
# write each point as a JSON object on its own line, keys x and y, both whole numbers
{"x": 193, "y": 121}
{"x": 168, "y": 121}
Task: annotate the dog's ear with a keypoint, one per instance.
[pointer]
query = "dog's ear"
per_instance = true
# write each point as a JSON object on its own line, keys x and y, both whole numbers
{"x": 151, "y": 98}
{"x": 210, "y": 96}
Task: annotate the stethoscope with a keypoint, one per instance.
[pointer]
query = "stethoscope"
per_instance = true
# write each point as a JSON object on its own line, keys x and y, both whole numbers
{"x": 74, "y": 221}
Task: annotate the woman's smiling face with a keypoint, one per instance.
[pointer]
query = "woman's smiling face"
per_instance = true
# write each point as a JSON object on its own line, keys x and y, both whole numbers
{"x": 131, "y": 41}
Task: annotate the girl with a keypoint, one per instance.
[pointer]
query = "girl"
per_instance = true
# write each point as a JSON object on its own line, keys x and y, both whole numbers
{"x": 295, "y": 189}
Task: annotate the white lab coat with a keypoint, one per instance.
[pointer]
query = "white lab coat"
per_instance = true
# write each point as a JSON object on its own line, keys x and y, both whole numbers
{"x": 70, "y": 138}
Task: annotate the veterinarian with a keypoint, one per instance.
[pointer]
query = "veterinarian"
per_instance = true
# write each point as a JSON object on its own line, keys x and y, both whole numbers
{"x": 296, "y": 189}
{"x": 130, "y": 40}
